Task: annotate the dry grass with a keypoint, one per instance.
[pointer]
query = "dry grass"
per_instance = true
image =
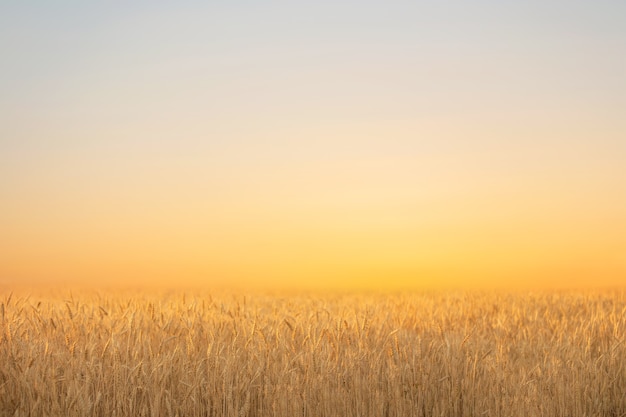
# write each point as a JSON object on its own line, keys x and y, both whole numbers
{"x": 378, "y": 355}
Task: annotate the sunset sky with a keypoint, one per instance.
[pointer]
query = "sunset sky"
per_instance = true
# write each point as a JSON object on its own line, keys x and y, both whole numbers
{"x": 343, "y": 144}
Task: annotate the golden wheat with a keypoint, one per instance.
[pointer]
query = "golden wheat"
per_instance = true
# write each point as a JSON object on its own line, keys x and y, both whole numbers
{"x": 437, "y": 354}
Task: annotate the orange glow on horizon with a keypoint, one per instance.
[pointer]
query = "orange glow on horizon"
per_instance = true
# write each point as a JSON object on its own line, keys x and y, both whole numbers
{"x": 336, "y": 246}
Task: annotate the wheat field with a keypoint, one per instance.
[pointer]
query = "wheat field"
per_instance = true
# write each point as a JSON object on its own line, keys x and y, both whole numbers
{"x": 218, "y": 354}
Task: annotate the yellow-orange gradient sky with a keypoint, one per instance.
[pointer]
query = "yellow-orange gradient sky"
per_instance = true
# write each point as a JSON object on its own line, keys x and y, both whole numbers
{"x": 334, "y": 145}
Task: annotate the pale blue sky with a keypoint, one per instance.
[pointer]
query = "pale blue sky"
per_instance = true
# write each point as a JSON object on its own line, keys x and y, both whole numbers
{"x": 249, "y": 75}
{"x": 317, "y": 57}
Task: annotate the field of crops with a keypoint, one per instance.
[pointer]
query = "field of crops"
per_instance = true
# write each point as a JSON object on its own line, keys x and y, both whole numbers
{"x": 216, "y": 354}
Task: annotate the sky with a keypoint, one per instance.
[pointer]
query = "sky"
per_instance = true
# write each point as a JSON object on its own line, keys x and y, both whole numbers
{"x": 330, "y": 145}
